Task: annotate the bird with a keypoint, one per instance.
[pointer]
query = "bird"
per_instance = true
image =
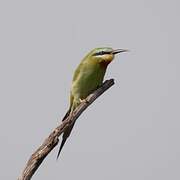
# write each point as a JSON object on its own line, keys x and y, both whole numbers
{"x": 87, "y": 77}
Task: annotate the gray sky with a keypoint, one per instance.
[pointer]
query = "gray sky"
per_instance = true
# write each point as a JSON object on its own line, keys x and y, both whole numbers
{"x": 137, "y": 121}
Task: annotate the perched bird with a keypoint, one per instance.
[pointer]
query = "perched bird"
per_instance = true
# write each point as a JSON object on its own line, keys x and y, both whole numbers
{"x": 88, "y": 77}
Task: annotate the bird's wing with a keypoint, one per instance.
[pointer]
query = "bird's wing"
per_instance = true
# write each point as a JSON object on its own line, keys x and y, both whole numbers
{"x": 77, "y": 71}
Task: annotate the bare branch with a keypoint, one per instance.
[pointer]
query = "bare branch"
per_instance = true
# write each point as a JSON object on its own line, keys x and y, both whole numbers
{"x": 48, "y": 145}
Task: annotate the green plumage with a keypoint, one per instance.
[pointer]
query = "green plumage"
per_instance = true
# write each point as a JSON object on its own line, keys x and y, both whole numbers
{"x": 87, "y": 77}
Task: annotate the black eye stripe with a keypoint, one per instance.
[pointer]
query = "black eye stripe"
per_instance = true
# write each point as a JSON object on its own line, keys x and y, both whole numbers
{"x": 102, "y": 53}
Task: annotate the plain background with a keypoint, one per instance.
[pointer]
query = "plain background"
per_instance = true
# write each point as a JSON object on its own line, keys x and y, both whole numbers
{"x": 132, "y": 132}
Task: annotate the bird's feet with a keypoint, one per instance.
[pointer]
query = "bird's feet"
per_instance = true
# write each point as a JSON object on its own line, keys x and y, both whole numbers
{"x": 83, "y": 100}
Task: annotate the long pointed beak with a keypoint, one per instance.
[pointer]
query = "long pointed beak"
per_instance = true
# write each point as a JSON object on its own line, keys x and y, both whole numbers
{"x": 116, "y": 51}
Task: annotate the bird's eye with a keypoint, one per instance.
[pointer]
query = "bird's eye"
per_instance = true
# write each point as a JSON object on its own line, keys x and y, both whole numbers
{"x": 100, "y": 53}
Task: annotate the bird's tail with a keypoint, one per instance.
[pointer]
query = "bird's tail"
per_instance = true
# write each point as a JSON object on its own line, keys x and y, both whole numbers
{"x": 67, "y": 114}
{"x": 61, "y": 146}
{"x": 66, "y": 133}
{"x": 64, "y": 138}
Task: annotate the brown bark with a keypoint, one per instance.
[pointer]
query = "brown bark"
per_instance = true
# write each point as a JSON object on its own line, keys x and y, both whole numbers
{"x": 48, "y": 145}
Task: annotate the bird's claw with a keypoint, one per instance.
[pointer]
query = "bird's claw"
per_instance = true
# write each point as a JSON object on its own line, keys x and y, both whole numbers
{"x": 83, "y": 101}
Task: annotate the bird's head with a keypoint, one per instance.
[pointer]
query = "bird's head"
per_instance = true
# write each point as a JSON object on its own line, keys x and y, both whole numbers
{"x": 104, "y": 55}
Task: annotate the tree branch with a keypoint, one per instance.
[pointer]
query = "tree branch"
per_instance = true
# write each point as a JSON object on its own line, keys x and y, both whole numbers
{"x": 48, "y": 145}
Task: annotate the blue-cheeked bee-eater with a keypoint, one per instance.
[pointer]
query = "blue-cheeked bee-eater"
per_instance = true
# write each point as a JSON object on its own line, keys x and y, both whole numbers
{"x": 88, "y": 77}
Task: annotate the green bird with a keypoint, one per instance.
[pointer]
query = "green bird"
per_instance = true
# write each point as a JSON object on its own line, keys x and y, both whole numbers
{"x": 88, "y": 77}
